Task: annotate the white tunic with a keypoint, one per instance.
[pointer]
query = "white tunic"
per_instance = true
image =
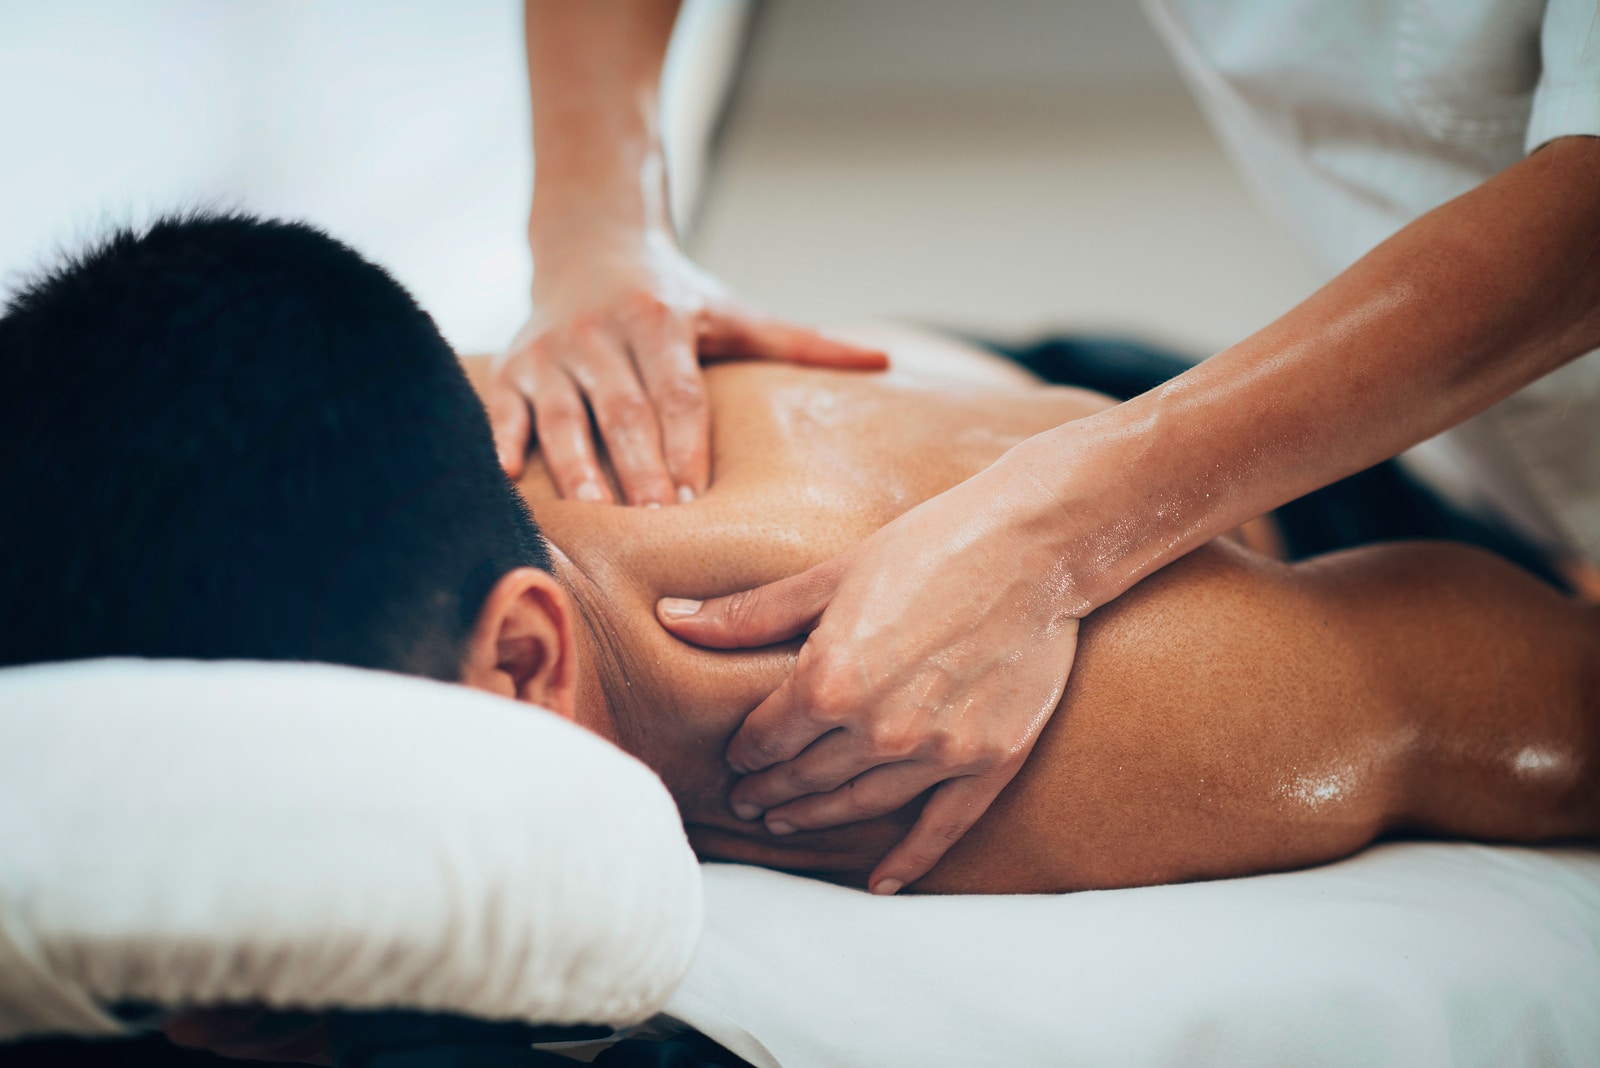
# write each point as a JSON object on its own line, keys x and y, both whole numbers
{"x": 1352, "y": 117}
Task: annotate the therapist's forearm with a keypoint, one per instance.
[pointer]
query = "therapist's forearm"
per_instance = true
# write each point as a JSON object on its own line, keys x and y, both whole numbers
{"x": 1456, "y": 311}
{"x": 594, "y": 70}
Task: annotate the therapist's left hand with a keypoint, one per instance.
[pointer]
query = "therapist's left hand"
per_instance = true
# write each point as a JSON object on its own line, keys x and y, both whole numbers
{"x": 941, "y": 646}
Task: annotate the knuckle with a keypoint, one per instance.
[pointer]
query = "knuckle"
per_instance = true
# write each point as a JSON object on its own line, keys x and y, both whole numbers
{"x": 622, "y": 410}
{"x": 742, "y": 610}
{"x": 644, "y": 307}
{"x": 559, "y": 408}
{"x": 540, "y": 352}
{"x": 556, "y": 429}
{"x": 587, "y": 326}
{"x": 890, "y": 738}
{"x": 807, "y": 779}
{"x": 831, "y": 699}
{"x": 682, "y": 395}
{"x": 1001, "y": 755}
{"x": 945, "y": 748}
{"x": 811, "y": 657}
{"x": 764, "y": 748}
{"x": 992, "y": 750}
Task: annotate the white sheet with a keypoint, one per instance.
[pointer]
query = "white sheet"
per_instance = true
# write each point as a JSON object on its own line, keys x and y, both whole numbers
{"x": 1409, "y": 955}
{"x": 309, "y": 836}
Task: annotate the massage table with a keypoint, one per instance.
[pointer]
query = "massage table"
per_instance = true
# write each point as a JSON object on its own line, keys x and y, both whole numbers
{"x": 442, "y": 869}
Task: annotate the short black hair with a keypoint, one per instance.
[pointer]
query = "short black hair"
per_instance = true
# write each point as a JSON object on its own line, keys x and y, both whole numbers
{"x": 225, "y": 437}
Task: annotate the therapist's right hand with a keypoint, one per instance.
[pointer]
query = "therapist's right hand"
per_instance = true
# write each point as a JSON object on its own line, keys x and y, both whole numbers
{"x": 938, "y": 649}
{"x": 620, "y": 323}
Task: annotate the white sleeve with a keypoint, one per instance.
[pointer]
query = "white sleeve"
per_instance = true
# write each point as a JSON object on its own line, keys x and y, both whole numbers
{"x": 1567, "y": 100}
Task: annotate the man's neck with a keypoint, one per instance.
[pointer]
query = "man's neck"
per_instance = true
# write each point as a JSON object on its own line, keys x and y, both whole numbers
{"x": 598, "y": 672}
{"x": 631, "y": 706}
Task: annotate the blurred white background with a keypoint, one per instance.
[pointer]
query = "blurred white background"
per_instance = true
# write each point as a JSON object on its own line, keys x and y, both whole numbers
{"x": 1004, "y": 167}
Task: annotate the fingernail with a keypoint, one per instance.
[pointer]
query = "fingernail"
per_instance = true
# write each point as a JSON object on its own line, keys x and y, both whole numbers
{"x": 589, "y": 491}
{"x": 678, "y": 607}
{"x": 746, "y": 811}
{"x": 652, "y": 504}
{"x": 685, "y": 494}
{"x": 887, "y": 887}
{"x": 780, "y": 827}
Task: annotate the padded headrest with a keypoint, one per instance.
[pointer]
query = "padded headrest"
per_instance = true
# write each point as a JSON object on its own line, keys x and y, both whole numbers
{"x": 303, "y": 836}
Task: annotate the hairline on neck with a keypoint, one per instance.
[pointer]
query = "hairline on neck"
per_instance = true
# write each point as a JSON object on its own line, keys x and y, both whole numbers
{"x": 600, "y": 659}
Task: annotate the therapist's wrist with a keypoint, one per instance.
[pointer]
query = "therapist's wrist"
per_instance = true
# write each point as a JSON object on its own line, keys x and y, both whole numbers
{"x": 1087, "y": 490}
{"x": 614, "y": 208}
{"x": 1036, "y": 502}
{"x": 588, "y": 251}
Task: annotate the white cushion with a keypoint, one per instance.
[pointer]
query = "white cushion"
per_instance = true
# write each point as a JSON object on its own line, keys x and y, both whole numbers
{"x": 1411, "y": 955}
{"x": 315, "y": 837}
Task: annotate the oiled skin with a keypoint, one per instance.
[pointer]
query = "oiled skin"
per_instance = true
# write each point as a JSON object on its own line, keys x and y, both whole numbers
{"x": 1230, "y": 715}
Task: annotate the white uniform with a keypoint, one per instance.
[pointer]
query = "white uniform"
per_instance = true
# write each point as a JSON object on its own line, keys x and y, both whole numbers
{"x": 1352, "y": 117}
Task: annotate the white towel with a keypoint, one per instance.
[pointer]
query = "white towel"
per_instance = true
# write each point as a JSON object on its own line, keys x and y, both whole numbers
{"x": 313, "y": 837}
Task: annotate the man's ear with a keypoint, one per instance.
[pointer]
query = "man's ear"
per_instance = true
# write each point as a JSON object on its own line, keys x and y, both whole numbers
{"x": 522, "y": 645}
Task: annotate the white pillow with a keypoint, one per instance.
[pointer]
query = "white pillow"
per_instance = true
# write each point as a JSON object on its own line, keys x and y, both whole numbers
{"x": 1411, "y": 955}
{"x": 308, "y": 836}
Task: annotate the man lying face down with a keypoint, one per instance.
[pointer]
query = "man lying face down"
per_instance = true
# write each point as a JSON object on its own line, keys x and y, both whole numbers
{"x": 232, "y": 438}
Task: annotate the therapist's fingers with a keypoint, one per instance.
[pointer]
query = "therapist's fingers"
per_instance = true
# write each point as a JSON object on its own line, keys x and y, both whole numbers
{"x": 950, "y": 813}
{"x": 664, "y": 351}
{"x": 743, "y": 333}
{"x": 881, "y": 790}
{"x": 828, "y": 764}
{"x": 624, "y": 416}
{"x": 511, "y": 423}
{"x": 778, "y": 729}
{"x": 562, "y": 424}
{"x": 765, "y": 615}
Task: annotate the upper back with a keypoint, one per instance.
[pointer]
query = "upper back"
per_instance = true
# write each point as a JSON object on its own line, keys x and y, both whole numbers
{"x": 807, "y": 462}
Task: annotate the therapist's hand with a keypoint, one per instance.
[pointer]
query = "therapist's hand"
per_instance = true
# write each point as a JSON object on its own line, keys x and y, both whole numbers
{"x": 941, "y": 646}
{"x": 620, "y": 322}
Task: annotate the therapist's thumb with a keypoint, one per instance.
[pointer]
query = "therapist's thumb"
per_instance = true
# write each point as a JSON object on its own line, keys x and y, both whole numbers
{"x": 772, "y": 613}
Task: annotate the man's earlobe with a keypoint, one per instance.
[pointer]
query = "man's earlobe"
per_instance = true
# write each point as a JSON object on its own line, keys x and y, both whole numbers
{"x": 522, "y": 646}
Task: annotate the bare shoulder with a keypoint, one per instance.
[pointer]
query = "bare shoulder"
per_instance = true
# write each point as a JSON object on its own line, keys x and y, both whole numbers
{"x": 1384, "y": 606}
{"x": 1232, "y": 714}
{"x": 1451, "y": 577}
{"x": 1439, "y": 601}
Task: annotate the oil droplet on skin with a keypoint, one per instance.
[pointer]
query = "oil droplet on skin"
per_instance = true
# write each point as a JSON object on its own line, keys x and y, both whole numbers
{"x": 1318, "y": 790}
{"x": 1534, "y": 763}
